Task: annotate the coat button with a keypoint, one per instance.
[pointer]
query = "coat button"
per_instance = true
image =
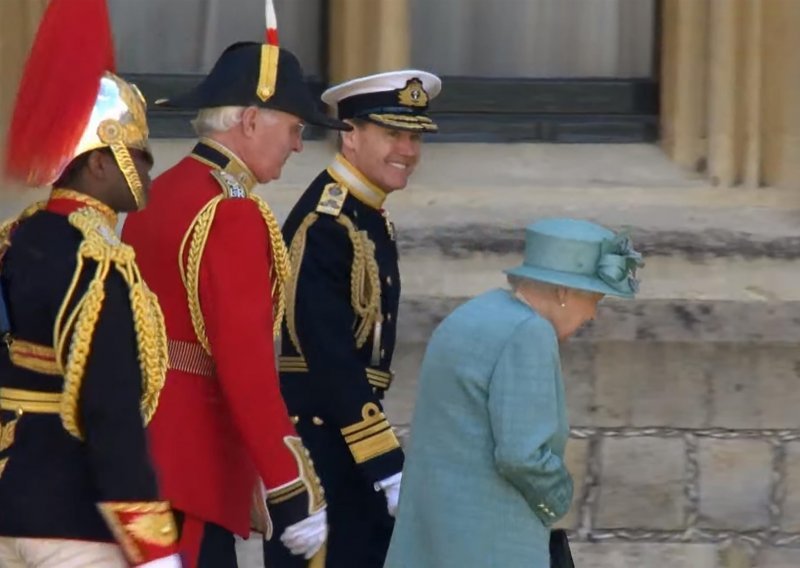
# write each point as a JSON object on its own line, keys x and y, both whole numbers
{"x": 388, "y": 317}
{"x": 317, "y": 421}
{"x": 388, "y": 280}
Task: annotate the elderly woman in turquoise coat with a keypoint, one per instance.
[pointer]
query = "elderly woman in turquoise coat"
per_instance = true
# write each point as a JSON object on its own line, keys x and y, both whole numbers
{"x": 485, "y": 476}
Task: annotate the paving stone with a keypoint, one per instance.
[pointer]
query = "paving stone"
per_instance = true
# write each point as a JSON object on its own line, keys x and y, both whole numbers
{"x": 734, "y": 479}
{"x": 754, "y": 385}
{"x": 644, "y": 555}
{"x": 790, "y": 520}
{"x": 651, "y": 384}
{"x": 577, "y": 456}
{"x": 399, "y": 401}
{"x": 778, "y": 558}
{"x": 250, "y": 552}
{"x": 577, "y": 366}
{"x": 642, "y": 484}
{"x": 736, "y": 554}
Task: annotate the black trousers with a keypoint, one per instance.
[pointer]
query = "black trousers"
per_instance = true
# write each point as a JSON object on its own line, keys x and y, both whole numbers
{"x": 359, "y": 523}
{"x": 278, "y": 556}
{"x": 217, "y": 546}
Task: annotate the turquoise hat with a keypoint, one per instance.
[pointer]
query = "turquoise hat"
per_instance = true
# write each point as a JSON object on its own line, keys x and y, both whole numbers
{"x": 578, "y": 254}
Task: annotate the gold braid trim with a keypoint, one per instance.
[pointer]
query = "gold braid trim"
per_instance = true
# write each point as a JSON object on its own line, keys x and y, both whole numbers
{"x": 128, "y": 169}
{"x": 365, "y": 285}
{"x": 151, "y": 336}
{"x": 197, "y": 237}
{"x": 73, "y": 332}
{"x": 280, "y": 268}
{"x": 296, "y": 251}
{"x": 8, "y": 225}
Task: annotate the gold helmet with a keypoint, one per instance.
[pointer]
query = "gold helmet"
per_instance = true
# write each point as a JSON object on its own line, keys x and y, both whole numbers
{"x": 118, "y": 122}
{"x": 70, "y": 102}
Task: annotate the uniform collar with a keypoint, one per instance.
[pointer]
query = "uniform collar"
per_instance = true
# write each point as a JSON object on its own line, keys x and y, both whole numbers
{"x": 214, "y": 154}
{"x": 67, "y": 201}
{"x": 357, "y": 183}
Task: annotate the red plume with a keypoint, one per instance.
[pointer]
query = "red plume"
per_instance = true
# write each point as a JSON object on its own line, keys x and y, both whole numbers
{"x": 72, "y": 50}
{"x": 272, "y": 24}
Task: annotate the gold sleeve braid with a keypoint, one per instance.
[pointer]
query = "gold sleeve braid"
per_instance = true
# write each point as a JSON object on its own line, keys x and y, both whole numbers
{"x": 365, "y": 286}
{"x": 73, "y": 331}
{"x": 196, "y": 238}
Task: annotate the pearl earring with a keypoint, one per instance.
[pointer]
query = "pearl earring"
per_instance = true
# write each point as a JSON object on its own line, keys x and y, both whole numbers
{"x": 563, "y": 305}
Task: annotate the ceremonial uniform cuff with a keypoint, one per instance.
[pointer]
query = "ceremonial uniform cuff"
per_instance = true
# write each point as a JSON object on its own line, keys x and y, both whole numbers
{"x": 145, "y": 530}
{"x": 372, "y": 436}
{"x": 298, "y": 499}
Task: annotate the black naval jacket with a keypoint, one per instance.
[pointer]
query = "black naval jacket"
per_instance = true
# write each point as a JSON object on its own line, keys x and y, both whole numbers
{"x": 53, "y": 484}
{"x": 336, "y": 356}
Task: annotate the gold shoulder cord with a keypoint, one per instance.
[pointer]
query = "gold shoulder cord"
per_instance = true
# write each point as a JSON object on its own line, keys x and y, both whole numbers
{"x": 196, "y": 238}
{"x": 73, "y": 331}
{"x": 297, "y": 249}
{"x": 280, "y": 268}
{"x": 365, "y": 286}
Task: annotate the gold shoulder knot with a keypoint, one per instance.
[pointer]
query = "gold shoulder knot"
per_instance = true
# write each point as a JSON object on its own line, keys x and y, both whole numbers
{"x": 332, "y": 199}
{"x": 76, "y": 320}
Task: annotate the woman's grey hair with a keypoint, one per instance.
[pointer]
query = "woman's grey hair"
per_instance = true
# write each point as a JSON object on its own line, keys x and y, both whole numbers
{"x": 220, "y": 119}
{"x": 518, "y": 282}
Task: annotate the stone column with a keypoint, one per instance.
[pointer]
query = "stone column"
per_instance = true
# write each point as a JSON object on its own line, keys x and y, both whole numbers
{"x": 683, "y": 81}
{"x": 367, "y": 36}
{"x": 19, "y": 20}
{"x": 730, "y": 86}
{"x": 781, "y": 93}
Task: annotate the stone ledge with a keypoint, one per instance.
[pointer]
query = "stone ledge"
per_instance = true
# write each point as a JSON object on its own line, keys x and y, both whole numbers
{"x": 717, "y": 321}
{"x": 464, "y": 240}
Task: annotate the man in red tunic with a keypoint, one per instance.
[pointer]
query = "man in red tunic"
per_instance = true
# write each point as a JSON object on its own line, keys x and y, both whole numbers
{"x": 212, "y": 252}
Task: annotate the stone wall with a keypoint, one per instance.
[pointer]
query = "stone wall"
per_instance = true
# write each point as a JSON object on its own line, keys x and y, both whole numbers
{"x": 685, "y": 421}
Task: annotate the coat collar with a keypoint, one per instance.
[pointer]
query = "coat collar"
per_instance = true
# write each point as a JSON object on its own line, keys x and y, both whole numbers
{"x": 356, "y": 182}
{"x": 219, "y": 157}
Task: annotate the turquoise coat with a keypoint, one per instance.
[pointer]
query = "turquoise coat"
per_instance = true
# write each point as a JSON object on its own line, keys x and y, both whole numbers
{"x": 485, "y": 475}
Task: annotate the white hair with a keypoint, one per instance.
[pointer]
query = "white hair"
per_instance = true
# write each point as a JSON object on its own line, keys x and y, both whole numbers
{"x": 221, "y": 119}
{"x": 518, "y": 282}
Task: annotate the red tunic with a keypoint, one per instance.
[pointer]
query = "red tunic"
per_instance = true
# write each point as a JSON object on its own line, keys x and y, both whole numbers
{"x": 216, "y": 432}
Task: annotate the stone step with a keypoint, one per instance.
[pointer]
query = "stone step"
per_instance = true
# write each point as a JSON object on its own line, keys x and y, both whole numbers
{"x": 733, "y": 278}
{"x": 652, "y": 363}
{"x": 666, "y": 321}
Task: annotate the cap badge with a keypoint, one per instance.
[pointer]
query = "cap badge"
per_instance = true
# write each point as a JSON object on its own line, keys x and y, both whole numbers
{"x": 413, "y": 94}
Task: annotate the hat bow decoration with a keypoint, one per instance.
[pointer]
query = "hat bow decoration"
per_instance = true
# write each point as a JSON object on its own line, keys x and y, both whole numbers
{"x": 618, "y": 263}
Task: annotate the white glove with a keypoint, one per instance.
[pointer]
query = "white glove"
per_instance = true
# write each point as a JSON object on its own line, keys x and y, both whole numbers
{"x": 306, "y": 537}
{"x": 172, "y": 561}
{"x": 391, "y": 489}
